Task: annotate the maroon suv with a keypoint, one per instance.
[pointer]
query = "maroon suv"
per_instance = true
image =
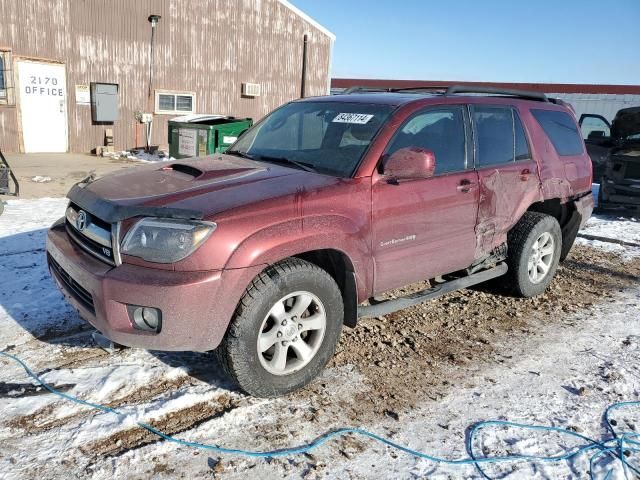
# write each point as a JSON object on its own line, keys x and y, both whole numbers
{"x": 264, "y": 252}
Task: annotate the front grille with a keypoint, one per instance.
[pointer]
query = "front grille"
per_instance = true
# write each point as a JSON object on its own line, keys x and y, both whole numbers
{"x": 4, "y": 179}
{"x": 71, "y": 286}
{"x": 93, "y": 235}
{"x": 632, "y": 170}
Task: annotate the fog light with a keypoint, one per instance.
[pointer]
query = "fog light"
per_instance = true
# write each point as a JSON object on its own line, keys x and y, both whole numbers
{"x": 147, "y": 319}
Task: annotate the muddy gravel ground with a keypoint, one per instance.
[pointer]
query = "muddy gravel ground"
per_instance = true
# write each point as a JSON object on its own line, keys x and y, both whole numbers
{"x": 382, "y": 370}
{"x": 422, "y": 351}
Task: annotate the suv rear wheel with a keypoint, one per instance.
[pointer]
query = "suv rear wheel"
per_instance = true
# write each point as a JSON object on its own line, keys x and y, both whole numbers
{"x": 285, "y": 329}
{"x": 534, "y": 246}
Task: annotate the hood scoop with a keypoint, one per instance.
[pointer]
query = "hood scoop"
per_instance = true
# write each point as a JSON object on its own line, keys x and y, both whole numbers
{"x": 194, "y": 173}
{"x": 184, "y": 169}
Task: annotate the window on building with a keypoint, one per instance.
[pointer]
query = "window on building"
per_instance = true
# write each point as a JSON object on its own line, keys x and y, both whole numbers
{"x": 440, "y": 130}
{"x": 175, "y": 102}
{"x": 4, "y": 80}
{"x": 561, "y": 130}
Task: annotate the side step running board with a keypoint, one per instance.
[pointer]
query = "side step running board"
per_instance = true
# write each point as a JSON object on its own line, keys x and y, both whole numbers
{"x": 390, "y": 306}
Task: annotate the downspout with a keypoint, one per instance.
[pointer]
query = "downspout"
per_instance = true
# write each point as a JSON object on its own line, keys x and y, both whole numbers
{"x": 303, "y": 83}
{"x": 153, "y": 19}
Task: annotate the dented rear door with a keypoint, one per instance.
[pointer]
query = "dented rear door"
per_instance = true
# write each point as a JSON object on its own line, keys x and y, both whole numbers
{"x": 508, "y": 175}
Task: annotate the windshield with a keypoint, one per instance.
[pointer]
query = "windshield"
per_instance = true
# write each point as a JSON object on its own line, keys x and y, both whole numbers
{"x": 326, "y": 137}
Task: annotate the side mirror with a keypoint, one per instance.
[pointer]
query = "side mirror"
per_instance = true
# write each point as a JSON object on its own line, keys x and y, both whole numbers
{"x": 410, "y": 162}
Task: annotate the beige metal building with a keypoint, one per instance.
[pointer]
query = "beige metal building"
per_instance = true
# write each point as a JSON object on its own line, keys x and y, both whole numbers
{"x": 231, "y": 57}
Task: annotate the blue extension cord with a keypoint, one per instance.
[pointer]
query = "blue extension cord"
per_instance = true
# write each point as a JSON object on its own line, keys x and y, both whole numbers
{"x": 618, "y": 446}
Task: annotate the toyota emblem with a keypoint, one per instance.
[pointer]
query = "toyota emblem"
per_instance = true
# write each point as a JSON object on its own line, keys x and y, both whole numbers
{"x": 82, "y": 220}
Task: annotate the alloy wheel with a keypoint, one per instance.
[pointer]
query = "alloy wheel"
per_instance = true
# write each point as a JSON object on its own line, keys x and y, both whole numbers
{"x": 541, "y": 258}
{"x": 291, "y": 333}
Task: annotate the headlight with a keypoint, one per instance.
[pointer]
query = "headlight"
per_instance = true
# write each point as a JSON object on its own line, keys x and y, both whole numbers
{"x": 164, "y": 240}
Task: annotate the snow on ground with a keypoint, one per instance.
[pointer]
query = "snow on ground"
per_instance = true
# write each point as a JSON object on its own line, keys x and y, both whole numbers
{"x": 563, "y": 374}
{"x": 140, "y": 155}
{"x": 614, "y": 227}
{"x": 626, "y": 228}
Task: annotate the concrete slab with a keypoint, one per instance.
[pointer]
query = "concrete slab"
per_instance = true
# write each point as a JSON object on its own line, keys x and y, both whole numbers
{"x": 63, "y": 169}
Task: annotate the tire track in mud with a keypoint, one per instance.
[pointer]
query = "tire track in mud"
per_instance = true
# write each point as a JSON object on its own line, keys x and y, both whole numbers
{"x": 172, "y": 423}
{"x": 24, "y": 252}
{"x": 421, "y": 352}
{"x": 415, "y": 353}
{"x": 73, "y": 348}
{"x": 55, "y": 335}
{"x": 75, "y": 336}
{"x": 40, "y": 421}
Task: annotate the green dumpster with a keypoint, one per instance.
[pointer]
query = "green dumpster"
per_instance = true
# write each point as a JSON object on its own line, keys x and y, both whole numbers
{"x": 200, "y": 135}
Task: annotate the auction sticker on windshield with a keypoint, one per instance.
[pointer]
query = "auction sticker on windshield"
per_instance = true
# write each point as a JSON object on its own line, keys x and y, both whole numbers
{"x": 359, "y": 118}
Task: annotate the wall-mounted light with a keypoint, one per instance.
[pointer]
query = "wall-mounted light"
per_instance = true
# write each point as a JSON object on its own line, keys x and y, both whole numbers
{"x": 154, "y": 19}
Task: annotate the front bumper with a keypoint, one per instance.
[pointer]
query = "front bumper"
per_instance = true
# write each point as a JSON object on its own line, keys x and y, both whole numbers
{"x": 619, "y": 196}
{"x": 196, "y": 306}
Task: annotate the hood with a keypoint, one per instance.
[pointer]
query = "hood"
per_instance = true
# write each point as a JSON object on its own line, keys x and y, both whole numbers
{"x": 626, "y": 123}
{"x": 207, "y": 185}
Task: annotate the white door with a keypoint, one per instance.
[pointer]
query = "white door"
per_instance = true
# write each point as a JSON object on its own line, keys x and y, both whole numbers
{"x": 43, "y": 106}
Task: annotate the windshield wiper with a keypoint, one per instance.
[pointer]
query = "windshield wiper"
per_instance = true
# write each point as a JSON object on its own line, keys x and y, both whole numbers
{"x": 238, "y": 153}
{"x": 301, "y": 165}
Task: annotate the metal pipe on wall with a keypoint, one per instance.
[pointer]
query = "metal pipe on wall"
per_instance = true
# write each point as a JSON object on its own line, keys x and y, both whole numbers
{"x": 303, "y": 83}
{"x": 153, "y": 19}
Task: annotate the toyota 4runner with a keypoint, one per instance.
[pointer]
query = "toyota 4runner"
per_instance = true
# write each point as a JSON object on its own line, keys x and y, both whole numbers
{"x": 263, "y": 253}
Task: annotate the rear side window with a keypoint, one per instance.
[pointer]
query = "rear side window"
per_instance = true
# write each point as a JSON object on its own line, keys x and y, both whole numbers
{"x": 561, "y": 130}
{"x": 500, "y": 137}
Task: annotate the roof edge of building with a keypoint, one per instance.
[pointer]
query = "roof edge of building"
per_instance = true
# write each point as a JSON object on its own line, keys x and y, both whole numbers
{"x": 537, "y": 87}
{"x": 308, "y": 19}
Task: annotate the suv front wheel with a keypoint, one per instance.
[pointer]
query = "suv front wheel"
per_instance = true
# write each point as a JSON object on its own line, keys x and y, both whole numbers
{"x": 534, "y": 246}
{"x": 285, "y": 329}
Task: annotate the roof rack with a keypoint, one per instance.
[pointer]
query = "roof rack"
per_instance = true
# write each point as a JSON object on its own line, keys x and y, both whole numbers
{"x": 440, "y": 89}
{"x": 454, "y": 89}
{"x": 529, "y": 95}
{"x": 391, "y": 90}
{"x": 349, "y": 90}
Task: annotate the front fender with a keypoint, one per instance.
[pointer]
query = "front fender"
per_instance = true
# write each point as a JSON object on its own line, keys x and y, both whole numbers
{"x": 277, "y": 242}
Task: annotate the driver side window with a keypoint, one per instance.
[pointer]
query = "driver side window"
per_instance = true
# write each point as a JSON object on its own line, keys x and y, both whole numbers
{"x": 440, "y": 130}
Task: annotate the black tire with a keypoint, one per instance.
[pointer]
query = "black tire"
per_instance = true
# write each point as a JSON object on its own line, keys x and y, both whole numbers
{"x": 238, "y": 352}
{"x": 520, "y": 242}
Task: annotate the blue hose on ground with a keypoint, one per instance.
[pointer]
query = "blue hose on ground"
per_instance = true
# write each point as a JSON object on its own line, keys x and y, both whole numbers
{"x": 618, "y": 446}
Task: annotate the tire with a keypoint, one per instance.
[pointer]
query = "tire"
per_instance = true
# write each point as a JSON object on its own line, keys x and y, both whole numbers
{"x": 534, "y": 230}
{"x": 268, "y": 314}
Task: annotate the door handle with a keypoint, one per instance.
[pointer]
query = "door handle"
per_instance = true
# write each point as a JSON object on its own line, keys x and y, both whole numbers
{"x": 465, "y": 186}
{"x": 524, "y": 174}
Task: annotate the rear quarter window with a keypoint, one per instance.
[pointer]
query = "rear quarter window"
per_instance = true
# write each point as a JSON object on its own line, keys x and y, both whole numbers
{"x": 561, "y": 130}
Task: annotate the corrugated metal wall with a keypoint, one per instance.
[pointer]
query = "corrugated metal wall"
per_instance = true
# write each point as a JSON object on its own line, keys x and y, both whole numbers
{"x": 209, "y": 47}
{"x": 599, "y": 103}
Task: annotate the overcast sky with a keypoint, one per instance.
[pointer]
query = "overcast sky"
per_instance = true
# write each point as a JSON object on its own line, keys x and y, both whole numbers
{"x": 560, "y": 41}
